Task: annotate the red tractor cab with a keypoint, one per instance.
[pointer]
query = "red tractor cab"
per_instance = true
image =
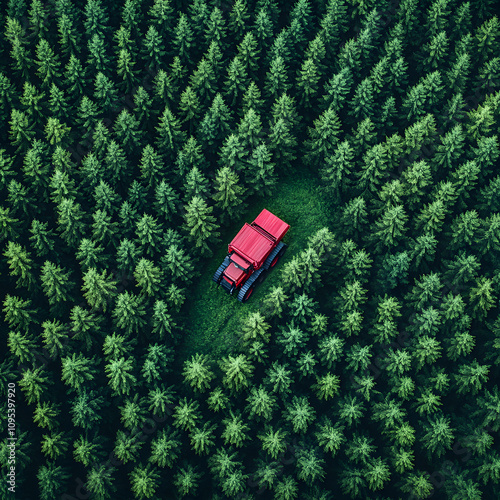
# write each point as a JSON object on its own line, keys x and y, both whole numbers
{"x": 255, "y": 249}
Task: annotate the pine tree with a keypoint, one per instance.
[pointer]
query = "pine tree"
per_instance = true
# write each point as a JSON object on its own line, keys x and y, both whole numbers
{"x": 166, "y": 200}
{"x": 390, "y": 227}
{"x": 19, "y": 199}
{"x": 350, "y": 410}
{"x": 487, "y": 37}
{"x": 170, "y": 135}
{"x": 279, "y": 378}
{"x": 228, "y": 194}
{"x": 354, "y": 217}
{"x": 47, "y": 62}
{"x": 274, "y": 302}
{"x": 189, "y": 107}
{"x": 300, "y": 414}
{"x": 216, "y": 123}
{"x": 482, "y": 297}
{"x": 282, "y": 144}
{"x": 98, "y": 289}
{"x": 276, "y": 82}
{"x": 77, "y": 370}
{"x": 215, "y": 29}
{"x": 217, "y": 400}
{"x": 237, "y": 371}
{"x": 186, "y": 480}
{"x": 183, "y": 39}
{"x": 51, "y": 480}
{"x": 200, "y": 225}
{"x": 232, "y": 153}
{"x": 105, "y": 93}
{"x": 335, "y": 173}
{"x": 330, "y": 437}
{"x": 274, "y": 442}
{"x": 438, "y": 436}
{"x": 87, "y": 116}
{"x": 106, "y": 198}
{"x": 34, "y": 382}
{"x": 129, "y": 312}
{"x": 54, "y": 445}
{"x": 323, "y": 137}
{"x": 22, "y": 61}
{"x": 148, "y": 233}
{"x": 417, "y": 484}
{"x": 86, "y": 451}
{"x": 261, "y": 406}
{"x": 148, "y": 277}
{"x": 197, "y": 373}
{"x": 142, "y": 105}
{"x": 260, "y": 172}
{"x": 90, "y": 254}
{"x": 56, "y": 283}
{"x": 177, "y": 264}
{"x": 235, "y": 82}
{"x": 165, "y": 449}
{"x": 163, "y": 325}
{"x": 18, "y": 312}
{"x": 235, "y": 432}
{"x": 21, "y": 130}
{"x": 196, "y": 184}
{"x": 307, "y": 82}
{"x": 186, "y": 414}
{"x": 153, "y": 51}
{"x": 327, "y": 386}
{"x": 121, "y": 379}
{"x": 69, "y": 38}
{"x": 263, "y": 28}
{"x": 22, "y": 346}
{"x": 337, "y": 89}
{"x": 203, "y": 81}
{"x": 20, "y": 265}
{"x": 75, "y": 76}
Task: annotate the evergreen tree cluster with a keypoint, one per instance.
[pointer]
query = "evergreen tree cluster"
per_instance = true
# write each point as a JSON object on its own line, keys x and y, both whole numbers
{"x": 134, "y": 132}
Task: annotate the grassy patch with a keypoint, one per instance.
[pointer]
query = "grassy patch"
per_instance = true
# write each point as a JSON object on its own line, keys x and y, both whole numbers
{"x": 215, "y": 317}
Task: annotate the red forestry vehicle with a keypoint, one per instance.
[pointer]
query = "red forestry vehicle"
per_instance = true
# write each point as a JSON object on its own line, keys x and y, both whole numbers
{"x": 255, "y": 249}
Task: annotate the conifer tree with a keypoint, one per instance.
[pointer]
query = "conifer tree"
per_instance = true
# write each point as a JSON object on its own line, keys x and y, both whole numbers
{"x": 20, "y": 265}
{"x": 323, "y": 137}
{"x": 276, "y": 82}
{"x": 260, "y": 172}
{"x": 200, "y": 225}
{"x": 237, "y": 371}
{"x": 170, "y": 135}
{"x": 98, "y": 289}
{"x": 197, "y": 372}
{"x": 216, "y": 123}
{"x": 228, "y": 195}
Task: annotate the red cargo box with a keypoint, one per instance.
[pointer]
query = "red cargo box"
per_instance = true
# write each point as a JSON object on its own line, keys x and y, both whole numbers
{"x": 272, "y": 224}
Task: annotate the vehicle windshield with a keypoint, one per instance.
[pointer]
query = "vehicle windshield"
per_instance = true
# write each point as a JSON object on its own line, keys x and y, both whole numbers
{"x": 238, "y": 266}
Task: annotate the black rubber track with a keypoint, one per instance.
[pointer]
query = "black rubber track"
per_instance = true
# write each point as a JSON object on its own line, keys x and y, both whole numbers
{"x": 248, "y": 284}
{"x": 216, "y": 277}
{"x": 279, "y": 247}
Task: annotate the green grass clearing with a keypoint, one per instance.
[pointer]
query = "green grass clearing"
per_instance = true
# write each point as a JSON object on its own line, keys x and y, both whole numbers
{"x": 214, "y": 317}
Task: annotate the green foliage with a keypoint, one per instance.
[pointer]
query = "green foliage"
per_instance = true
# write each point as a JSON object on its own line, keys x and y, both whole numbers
{"x": 140, "y": 136}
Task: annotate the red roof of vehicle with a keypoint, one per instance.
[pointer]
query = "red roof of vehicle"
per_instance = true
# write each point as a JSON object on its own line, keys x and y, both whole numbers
{"x": 272, "y": 224}
{"x": 251, "y": 244}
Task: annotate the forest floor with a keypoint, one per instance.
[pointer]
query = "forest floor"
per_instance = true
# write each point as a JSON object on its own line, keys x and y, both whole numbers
{"x": 214, "y": 317}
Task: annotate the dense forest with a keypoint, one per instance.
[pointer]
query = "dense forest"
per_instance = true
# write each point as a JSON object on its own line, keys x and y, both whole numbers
{"x": 137, "y": 136}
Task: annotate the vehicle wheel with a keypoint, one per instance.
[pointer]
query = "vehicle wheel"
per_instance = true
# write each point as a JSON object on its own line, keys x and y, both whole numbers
{"x": 278, "y": 257}
{"x": 249, "y": 292}
{"x": 261, "y": 277}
